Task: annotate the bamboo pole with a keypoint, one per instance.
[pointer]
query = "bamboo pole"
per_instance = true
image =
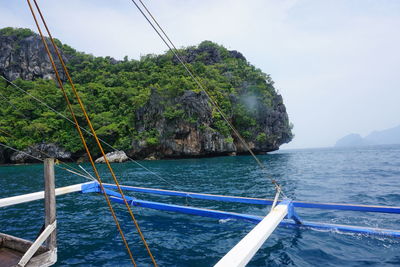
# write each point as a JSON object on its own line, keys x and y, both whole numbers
{"x": 244, "y": 251}
{"x": 9, "y": 201}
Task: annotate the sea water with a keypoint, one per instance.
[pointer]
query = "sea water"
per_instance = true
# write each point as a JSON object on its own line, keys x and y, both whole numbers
{"x": 87, "y": 235}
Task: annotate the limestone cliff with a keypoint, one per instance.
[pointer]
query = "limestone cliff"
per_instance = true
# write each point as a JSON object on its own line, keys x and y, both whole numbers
{"x": 149, "y": 108}
{"x": 180, "y": 137}
{"x": 24, "y": 56}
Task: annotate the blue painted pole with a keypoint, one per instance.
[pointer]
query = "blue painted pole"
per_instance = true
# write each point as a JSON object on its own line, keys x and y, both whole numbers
{"x": 262, "y": 201}
{"x": 256, "y": 219}
{"x": 116, "y": 197}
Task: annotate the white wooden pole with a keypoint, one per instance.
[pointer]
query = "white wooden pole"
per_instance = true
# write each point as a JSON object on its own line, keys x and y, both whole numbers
{"x": 4, "y": 202}
{"x": 244, "y": 251}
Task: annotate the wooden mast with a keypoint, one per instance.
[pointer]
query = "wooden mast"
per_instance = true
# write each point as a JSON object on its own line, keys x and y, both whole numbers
{"x": 50, "y": 201}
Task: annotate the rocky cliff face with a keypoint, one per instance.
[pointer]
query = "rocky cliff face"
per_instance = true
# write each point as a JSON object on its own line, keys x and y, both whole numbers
{"x": 25, "y": 57}
{"x": 181, "y": 137}
{"x": 2, "y": 156}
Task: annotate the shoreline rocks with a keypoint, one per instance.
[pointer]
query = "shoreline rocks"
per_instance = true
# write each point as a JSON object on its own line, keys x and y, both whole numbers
{"x": 41, "y": 151}
{"x": 115, "y": 156}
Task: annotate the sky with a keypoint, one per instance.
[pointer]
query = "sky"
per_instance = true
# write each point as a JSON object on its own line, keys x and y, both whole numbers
{"x": 335, "y": 62}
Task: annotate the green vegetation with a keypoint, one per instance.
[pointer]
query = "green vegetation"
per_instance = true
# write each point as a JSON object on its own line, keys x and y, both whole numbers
{"x": 173, "y": 112}
{"x": 229, "y": 140}
{"x": 113, "y": 91}
{"x": 19, "y": 33}
{"x": 261, "y": 137}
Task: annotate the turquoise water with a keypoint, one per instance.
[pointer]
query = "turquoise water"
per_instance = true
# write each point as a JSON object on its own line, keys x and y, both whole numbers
{"x": 87, "y": 235}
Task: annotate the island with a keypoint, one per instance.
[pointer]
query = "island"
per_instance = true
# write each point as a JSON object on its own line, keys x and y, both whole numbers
{"x": 148, "y": 108}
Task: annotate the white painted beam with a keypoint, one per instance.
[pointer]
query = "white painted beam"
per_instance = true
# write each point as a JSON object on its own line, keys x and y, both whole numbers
{"x": 38, "y": 242}
{"x": 9, "y": 201}
{"x": 244, "y": 251}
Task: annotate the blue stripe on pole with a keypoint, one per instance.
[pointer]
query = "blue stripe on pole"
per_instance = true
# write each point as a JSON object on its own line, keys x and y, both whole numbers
{"x": 261, "y": 201}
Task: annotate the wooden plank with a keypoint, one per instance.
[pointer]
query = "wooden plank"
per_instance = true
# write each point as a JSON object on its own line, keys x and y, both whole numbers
{"x": 9, "y": 201}
{"x": 36, "y": 245}
{"x": 41, "y": 258}
{"x": 50, "y": 201}
{"x": 244, "y": 251}
{"x": 18, "y": 244}
{"x": 9, "y": 257}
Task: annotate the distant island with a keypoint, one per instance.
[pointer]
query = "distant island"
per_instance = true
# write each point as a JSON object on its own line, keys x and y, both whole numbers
{"x": 384, "y": 137}
{"x": 148, "y": 108}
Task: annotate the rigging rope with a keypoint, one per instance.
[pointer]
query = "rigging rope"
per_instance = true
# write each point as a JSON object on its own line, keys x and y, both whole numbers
{"x": 81, "y": 135}
{"x": 95, "y": 136}
{"x": 175, "y": 51}
{"x": 91, "y": 129}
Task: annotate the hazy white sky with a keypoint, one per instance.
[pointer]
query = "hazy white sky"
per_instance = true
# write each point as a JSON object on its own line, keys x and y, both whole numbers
{"x": 336, "y": 63}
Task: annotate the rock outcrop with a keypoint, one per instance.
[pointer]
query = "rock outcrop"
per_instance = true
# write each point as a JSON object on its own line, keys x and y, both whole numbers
{"x": 182, "y": 137}
{"x": 40, "y": 151}
{"x": 115, "y": 156}
{"x": 179, "y": 137}
{"x": 24, "y": 56}
{"x": 208, "y": 54}
{"x": 2, "y": 156}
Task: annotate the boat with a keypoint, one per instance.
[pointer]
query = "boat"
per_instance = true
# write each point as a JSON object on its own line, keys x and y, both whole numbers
{"x": 283, "y": 211}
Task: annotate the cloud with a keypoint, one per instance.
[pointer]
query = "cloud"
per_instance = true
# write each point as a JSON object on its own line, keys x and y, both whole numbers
{"x": 335, "y": 62}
